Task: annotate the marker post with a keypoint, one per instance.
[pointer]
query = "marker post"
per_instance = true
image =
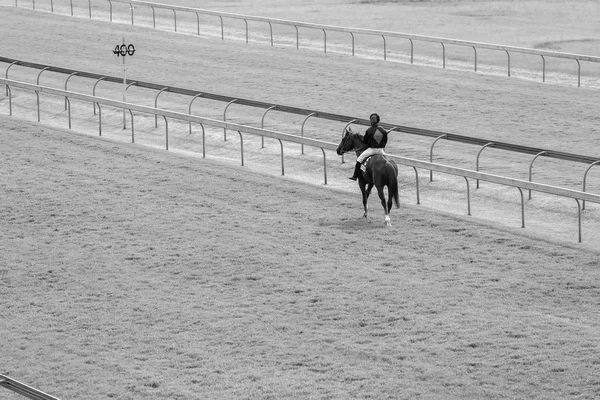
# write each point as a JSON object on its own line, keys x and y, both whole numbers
{"x": 122, "y": 51}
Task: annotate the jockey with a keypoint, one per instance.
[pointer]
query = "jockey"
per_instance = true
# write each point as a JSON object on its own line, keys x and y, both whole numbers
{"x": 375, "y": 139}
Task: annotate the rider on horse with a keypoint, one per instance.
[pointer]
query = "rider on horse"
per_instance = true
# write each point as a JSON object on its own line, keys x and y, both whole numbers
{"x": 375, "y": 139}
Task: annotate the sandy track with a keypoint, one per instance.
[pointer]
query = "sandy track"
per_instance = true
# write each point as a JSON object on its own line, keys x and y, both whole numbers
{"x": 129, "y": 273}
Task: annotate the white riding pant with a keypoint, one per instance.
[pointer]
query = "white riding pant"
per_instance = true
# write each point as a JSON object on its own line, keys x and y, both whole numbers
{"x": 368, "y": 153}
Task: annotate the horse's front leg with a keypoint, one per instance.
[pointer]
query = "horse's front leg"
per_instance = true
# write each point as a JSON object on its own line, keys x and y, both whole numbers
{"x": 366, "y": 191}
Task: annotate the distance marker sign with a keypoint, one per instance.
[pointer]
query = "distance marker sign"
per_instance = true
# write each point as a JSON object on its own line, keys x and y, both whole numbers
{"x": 124, "y": 50}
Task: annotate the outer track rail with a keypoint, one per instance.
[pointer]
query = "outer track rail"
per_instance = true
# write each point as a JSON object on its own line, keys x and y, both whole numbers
{"x": 351, "y": 31}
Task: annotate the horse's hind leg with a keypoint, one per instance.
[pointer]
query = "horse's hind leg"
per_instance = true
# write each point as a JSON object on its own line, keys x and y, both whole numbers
{"x": 387, "y": 205}
{"x": 390, "y": 200}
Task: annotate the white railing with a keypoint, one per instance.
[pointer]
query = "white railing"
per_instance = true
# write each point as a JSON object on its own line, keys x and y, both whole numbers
{"x": 351, "y": 31}
{"x": 23, "y": 389}
{"x": 409, "y": 162}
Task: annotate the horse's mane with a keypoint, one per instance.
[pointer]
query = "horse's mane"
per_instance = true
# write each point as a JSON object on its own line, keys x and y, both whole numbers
{"x": 360, "y": 135}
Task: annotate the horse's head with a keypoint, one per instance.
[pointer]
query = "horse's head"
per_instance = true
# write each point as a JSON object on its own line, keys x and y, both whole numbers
{"x": 350, "y": 141}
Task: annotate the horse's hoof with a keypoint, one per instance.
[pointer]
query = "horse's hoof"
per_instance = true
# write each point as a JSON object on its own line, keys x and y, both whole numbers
{"x": 388, "y": 221}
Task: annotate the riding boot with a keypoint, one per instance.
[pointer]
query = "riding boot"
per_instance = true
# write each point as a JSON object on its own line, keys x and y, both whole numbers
{"x": 356, "y": 171}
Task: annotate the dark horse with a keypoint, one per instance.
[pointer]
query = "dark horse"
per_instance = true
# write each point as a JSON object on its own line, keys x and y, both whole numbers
{"x": 380, "y": 172}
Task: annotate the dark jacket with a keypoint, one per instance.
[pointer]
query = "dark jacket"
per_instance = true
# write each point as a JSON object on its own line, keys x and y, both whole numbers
{"x": 376, "y": 137}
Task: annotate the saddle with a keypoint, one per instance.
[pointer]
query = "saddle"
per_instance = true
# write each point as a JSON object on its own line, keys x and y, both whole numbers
{"x": 363, "y": 165}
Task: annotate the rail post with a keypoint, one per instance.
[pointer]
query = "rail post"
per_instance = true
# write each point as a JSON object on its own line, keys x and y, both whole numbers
{"x": 477, "y": 160}
{"x": 324, "y": 166}
{"x": 132, "y": 127}
{"x": 543, "y": 68}
{"x": 9, "y": 94}
{"x": 38, "y": 76}
{"x": 99, "y": 119}
{"x": 443, "y": 55}
{"x": 468, "y": 196}
{"x": 282, "y": 164}
{"x": 69, "y": 108}
{"x": 579, "y": 219}
{"x": 541, "y": 153}
{"x": 522, "y": 208}
{"x": 225, "y": 118}
{"x": 131, "y": 84}
{"x": 302, "y": 129}
{"x": 190, "y": 108}
{"x": 297, "y": 38}
{"x": 6, "y": 73}
{"x": 222, "y": 29}
{"x": 203, "y": 141}
{"x": 66, "y": 82}
{"x": 417, "y": 185}
{"x": 241, "y": 146}
{"x": 94, "y": 90}
{"x": 585, "y": 178}
{"x": 431, "y": 154}
{"x": 156, "y": 105}
{"x": 37, "y": 96}
{"x": 262, "y": 124}
{"x": 166, "y": 133}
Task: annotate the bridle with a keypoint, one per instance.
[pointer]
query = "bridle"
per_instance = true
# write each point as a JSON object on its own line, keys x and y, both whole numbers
{"x": 344, "y": 141}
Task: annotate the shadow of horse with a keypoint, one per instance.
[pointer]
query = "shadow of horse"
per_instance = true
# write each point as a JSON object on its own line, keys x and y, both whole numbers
{"x": 379, "y": 172}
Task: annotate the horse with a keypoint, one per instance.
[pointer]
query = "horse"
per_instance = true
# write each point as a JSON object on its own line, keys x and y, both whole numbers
{"x": 380, "y": 172}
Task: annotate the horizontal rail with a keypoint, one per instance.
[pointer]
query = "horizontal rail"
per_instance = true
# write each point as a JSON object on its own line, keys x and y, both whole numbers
{"x": 171, "y": 114}
{"x": 501, "y": 180}
{"x": 539, "y": 187}
{"x": 317, "y": 114}
{"x": 23, "y": 389}
{"x": 365, "y": 31}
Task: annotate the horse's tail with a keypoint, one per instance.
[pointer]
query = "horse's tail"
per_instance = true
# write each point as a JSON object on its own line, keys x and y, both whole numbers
{"x": 393, "y": 184}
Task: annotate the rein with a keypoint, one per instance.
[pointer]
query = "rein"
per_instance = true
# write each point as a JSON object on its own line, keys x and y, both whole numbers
{"x": 347, "y": 137}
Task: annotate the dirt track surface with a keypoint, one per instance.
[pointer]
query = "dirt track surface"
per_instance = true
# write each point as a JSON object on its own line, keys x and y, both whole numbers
{"x": 133, "y": 273}
{"x": 128, "y": 272}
